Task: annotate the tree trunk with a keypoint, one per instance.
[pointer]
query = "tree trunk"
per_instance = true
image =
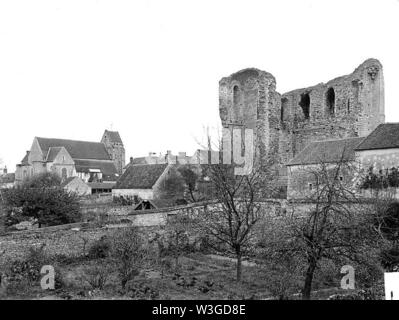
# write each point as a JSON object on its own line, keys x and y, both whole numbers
{"x": 307, "y": 288}
{"x": 238, "y": 254}
{"x": 177, "y": 251}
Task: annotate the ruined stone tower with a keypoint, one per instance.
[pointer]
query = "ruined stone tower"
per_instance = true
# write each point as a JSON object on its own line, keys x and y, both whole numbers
{"x": 248, "y": 100}
{"x": 347, "y": 106}
{"x": 114, "y": 145}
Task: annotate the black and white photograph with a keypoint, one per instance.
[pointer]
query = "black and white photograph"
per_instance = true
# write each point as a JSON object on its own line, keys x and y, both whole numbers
{"x": 197, "y": 157}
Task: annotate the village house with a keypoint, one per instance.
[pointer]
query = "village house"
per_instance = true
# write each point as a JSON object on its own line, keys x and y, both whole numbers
{"x": 304, "y": 169}
{"x": 77, "y": 185}
{"x": 380, "y": 149}
{"x": 378, "y": 155}
{"x": 374, "y": 159}
{"x": 97, "y": 164}
{"x": 152, "y": 182}
{"x": 6, "y": 179}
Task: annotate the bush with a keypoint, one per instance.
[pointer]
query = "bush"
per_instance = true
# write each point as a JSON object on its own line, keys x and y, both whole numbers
{"x": 28, "y": 270}
{"x": 100, "y": 249}
{"x": 142, "y": 291}
{"x": 374, "y": 293}
{"x": 48, "y": 206}
{"x": 26, "y": 273}
{"x": 97, "y": 276}
{"x": 128, "y": 254}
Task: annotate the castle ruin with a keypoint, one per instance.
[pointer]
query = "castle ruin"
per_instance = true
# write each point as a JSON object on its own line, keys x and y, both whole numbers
{"x": 283, "y": 124}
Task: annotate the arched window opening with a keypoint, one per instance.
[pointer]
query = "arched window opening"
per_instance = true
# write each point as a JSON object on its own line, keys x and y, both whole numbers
{"x": 330, "y": 101}
{"x": 236, "y": 96}
{"x": 305, "y": 104}
{"x": 284, "y": 105}
{"x": 64, "y": 173}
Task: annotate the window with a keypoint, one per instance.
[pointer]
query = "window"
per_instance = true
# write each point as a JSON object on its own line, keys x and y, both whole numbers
{"x": 236, "y": 100}
{"x": 305, "y": 104}
{"x": 349, "y": 105}
{"x": 341, "y": 178}
{"x": 330, "y": 101}
{"x": 64, "y": 174}
{"x": 284, "y": 103}
{"x": 310, "y": 186}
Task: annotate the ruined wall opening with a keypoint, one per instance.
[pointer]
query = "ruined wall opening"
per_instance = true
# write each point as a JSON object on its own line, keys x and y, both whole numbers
{"x": 63, "y": 173}
{"x": 305, "y": 104}
{"x": 236, "y": 100}
{"x": 330, "y": 101}
{"x": 283, "y": 111}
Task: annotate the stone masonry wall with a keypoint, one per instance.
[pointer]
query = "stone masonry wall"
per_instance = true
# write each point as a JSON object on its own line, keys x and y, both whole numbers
{"x": 71, "y": 239}
{"x": 347, "y": 106}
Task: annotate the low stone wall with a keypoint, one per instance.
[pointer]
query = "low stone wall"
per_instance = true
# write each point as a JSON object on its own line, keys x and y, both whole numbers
{"x": 72, "y": 239}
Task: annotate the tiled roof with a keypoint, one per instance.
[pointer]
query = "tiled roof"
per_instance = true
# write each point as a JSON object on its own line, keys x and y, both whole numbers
{"x": 139, "y": 160}
{"x": 142, "y": 176}
{"x": 113, "y": 136}
{"x": 329, "y": 151}
{"x": 67, "y": 181}
{"x": 106, "y": 167}
{"x": 385, "y": 136}
{"x": 77, "y": 149}
{"x": 25, "y": 159}
{"x": 52, "y": 153}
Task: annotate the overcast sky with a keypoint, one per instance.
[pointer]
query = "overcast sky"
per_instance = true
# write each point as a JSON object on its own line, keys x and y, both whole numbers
{"x": 150, "y": 69}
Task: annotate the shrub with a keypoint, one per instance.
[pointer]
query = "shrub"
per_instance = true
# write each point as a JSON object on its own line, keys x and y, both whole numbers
{"x": 26, "y": 273}
{"x": 128, "y": 254}
{"x": 97, "y": 276}
{"x": 28, "y": 270}
{"x": 48, "y": 206}
{"x": 100, "y": 249}
{"x": 374, "y": 293}
{"x": 142, "y": 291}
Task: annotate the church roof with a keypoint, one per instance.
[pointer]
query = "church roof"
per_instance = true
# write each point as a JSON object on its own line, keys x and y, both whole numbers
{"x": 141, "y": 176}
{"x": 77, "y": 149}
{"x": 52, "y": 153}
{"x": 385, "y": 136}
{"x": 106, "y": 167}
{"x": 328, "y": 151}
{"x": 113, "y": 136}
{"x": 25, "y": 159}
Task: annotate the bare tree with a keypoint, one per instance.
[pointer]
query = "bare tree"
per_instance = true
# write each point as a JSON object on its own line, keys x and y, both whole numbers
{"x": 128, "y": 253}
{"x": 231, "y": 221}
{"x": 177, "y": 229}
{"x": 338, "y": 225}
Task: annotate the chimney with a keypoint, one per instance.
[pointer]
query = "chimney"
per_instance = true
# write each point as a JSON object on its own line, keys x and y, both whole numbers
{"x": 169, "y": 152}
{"x": 131, "y": 159}
{"x": 5, "y": 170}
